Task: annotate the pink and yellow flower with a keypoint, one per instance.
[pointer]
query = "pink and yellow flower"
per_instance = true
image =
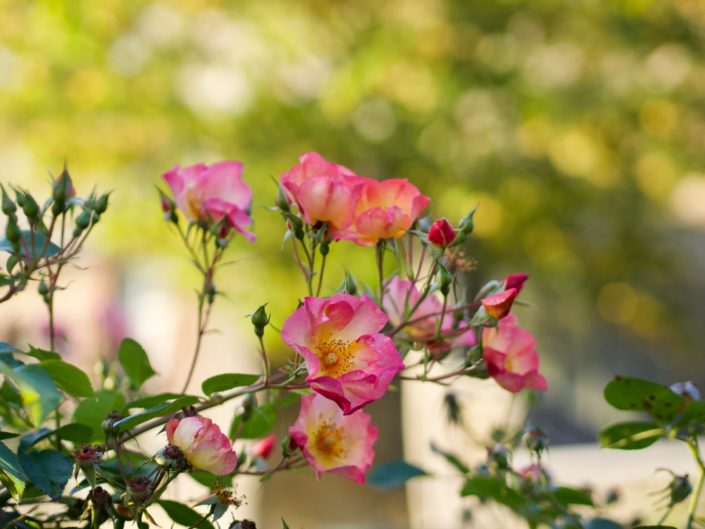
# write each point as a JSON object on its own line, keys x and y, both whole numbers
{"x": 401, "y": 296}
{"x": 209, "y": 193}
{"x": 348, "y": 359}
{"x": 386, "y": 210}
{"x": 511, "y": 356}
{"x": 323, "y": 191}
{"x": 204, "y": 446}
{"x": 333, "y": 442}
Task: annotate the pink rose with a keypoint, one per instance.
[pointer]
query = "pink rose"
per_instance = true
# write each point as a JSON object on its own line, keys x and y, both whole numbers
{"x": 323, "y": 191}
{"x": 511, "y": 357}
{"x": 204, "y": 446}
{"x": 386, "y": 210}
{"x": 402, "y": 295}
{"x": 347, "y": 358}
{"x": 209, "y": 193}
{"x": 441, "y": 233}
{"x": 334, "y": 442}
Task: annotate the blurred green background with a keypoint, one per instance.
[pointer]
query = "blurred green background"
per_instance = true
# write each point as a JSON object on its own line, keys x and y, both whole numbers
{"x": 577, "y": 125}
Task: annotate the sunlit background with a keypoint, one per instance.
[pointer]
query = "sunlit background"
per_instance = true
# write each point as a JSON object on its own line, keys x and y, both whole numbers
{"x": 577, "y": 126}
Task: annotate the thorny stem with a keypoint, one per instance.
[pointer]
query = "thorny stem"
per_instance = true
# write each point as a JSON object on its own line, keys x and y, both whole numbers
{"x": 379, "y": 257}
{"x": 320, "y": 275}
{"x": 205, "y": 301}
{"x": 694, "y": 448}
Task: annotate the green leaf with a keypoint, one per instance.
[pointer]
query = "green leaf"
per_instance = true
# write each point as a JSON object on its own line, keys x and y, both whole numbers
{"x": 393, "y": 474}
{"x": 11, "y": 473}
{"x": 7, "y": 435}
{"x": 160, "y": 410}
{"x": 631, "y": 435}
{"x": 92, "y": 412}
{"x": 37, "y": 391}
{"x": 10, "y": 360}
{"x": 450, "y": 458}
{"x": 571, "y": 496}
{"x": 35, "y": 250}
{"x": 259, "y": 424}
{"x": 29, "y": 440}
{"x": 602, "y": 523}
{"x": 227, "y": 381}
{"x": 7, "y": 348}
{"x": 48, "y": 470}
{"x": 183, "y": 515}
{"x": 635, "y": 394}
{"x": 694, "y": 412}
{"x": 209, "y": 480}
{"x": 69, "y": 378}
{"x": 492, "y": 488}
{"x": 284, "y": 524}
{"x": 135, "y": 362}
{"x": 151, "y": 400}
{"x": 41, "y": 354}
{"x": 74, "y": 432}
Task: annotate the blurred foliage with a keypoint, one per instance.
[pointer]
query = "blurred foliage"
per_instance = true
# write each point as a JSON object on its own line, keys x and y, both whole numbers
{"x": 578, "y": 126}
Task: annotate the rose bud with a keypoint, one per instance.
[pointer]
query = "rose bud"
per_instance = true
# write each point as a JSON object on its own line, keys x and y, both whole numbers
{"x": 203, "y": 445}
{"x": 498, "y": 305}
{"x": 441, "y": 233}
{"x": 515, "y": 281}
{"x": 263, "y": 447}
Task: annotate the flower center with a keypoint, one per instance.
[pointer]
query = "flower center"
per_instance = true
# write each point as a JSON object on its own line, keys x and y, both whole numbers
{"x": 336, "y": 357}
{"x": 328, "y": 442}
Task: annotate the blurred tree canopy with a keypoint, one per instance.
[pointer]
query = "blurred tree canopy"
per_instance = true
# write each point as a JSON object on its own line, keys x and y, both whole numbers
{"x": 577, "y": 125}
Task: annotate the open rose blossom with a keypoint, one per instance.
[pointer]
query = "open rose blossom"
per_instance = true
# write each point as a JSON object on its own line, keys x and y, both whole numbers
{"x": 209, "y": 193}
{"x": 402, "y": 295}
{"x": 333, "y": 442}
{"x": 204, "y": 446}
{"x": 386, "y": 210}
{"x": 322, "y": 190}
{"x": 511, "y": 357}
{"x": 348, "y": 359}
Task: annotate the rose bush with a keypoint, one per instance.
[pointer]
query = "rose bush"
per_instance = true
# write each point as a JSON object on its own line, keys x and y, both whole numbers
{"x": 69, "y": 444}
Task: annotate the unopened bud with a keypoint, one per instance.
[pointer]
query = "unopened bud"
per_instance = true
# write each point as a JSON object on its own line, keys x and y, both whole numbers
{"x": 83, "y": 220}
{"x": 441, "y": 233}
{"x": 444, "y": 280}
{"x": 498, "y": 305}
{"x": 282, "y": 203}
{"x": 680, "y": 488}
{"x": 260, "y": 319}
{"x": 324, "y": 248}
{"x": 13, "y": 233}
{"x": 349, "y": 285}
{"x": 101, "y": 204}
{"x": 8, "y": 206}
{"x": 536, "y": 440}
{"x": 62, "y": 190}
{"x": 30, "y": 208}
{"x": 108, "y": 424}
{"x": 263, "y": 447}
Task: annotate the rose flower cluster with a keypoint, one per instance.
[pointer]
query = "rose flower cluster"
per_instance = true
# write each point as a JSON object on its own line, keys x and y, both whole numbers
{"x": 350, "y": 344}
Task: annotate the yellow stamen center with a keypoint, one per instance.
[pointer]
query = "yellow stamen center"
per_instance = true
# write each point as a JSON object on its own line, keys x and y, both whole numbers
{"x": 336, "y": 357}
{"x": 328, "y": 443}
